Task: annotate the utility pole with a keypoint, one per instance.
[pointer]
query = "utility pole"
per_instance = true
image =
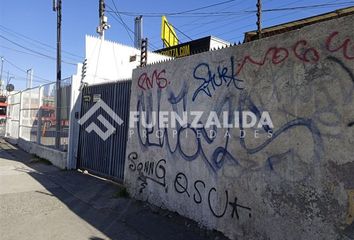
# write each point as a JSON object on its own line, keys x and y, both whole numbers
{"x": 57, "y": 8}
{"x": 259, "y": 19}
{"x": 29, "y": 78}
{"x": 138, "y": 31}
{"x": 2, "y": 66}
{"x": 2, "y": 83}
{"x": 103, "y": 21}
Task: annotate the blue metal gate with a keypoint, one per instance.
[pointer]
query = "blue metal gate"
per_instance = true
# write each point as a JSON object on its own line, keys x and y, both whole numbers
{"x": 99, "y": 156}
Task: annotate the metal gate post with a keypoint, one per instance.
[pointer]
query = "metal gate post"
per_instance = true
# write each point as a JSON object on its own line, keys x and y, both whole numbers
{"x": 39, "y": 116}
{"x": 111, "y": 138}
{"x": 20, "y": 116}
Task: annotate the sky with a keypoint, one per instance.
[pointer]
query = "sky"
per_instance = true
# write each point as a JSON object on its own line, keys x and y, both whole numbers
{"x": 28, "y": 27}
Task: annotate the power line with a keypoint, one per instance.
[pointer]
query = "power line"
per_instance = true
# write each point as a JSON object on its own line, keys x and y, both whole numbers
{"x": 267, "y": 20}
{"x": 153, "y": 46}
{"x": 175, "y": 13}
{"x": 121, "y": 21}
{"x": 204, "y": 7}
{"x": 29, "y": 39}
{"x": 223, "y": 13}
{"x": 219, "y": 26}
{"x": 249, "y": 25}
{"x": 28, "y": 49}
{"x": 25, "y": 71}
{"x": 23, "y": 52}
{"x": 171, "y": 14}
{"x": 34, "y": 51}
{"x": 190, "y": 15}
{"x": 34, "y": 45}
{"x": 304, "y": 7}
{"x": 233, "y": 30}
{"x": 232, "y": 18}
{"x": 182, "y": 33}
{"x": 222, "y": 9}
{"x": 24, "y": 78}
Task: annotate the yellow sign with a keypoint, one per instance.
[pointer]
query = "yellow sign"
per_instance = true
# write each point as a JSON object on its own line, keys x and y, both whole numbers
{"x": 168, "y": 34}
{"x": 176, "y": 52}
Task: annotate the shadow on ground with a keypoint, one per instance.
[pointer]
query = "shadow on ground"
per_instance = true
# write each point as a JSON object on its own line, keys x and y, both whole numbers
{"x": 97, "y": 202}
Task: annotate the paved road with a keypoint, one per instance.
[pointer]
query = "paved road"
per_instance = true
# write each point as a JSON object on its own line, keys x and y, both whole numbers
{"x": 39, "y": 201}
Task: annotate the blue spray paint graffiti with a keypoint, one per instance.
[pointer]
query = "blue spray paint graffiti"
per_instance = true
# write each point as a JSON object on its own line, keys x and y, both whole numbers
{"x": 220, "y": 154}
{"x": 214, "y": 80}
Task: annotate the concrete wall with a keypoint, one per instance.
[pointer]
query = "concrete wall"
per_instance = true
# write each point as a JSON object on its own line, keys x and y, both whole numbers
{"x": 56, "y": 157}
{"x": 298, "y": 184}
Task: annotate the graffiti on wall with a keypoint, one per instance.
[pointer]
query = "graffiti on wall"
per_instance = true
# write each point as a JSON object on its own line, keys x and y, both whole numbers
{"x": 197, "y": 191}
{"x": 224, "y": 75}
{"x": 302, "y": 51}
{"x": 309, "y": 105}
{"x": 148, "y": 171}
{"x": 156, "y": 79}
{"x": 202, "y": 140}
{"x": 210, "y": 80}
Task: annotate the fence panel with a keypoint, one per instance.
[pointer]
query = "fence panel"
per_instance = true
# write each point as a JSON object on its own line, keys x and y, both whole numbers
{"x": 29, "y": 113}
{"x": 32, "y": 114}
{"x": 13, "y": 115}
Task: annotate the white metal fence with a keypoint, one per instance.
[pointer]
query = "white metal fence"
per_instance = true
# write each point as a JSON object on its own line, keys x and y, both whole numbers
{"x": 31, "y": 114}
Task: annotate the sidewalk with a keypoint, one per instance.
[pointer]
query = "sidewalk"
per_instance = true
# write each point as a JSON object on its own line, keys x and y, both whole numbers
{"x": 39, "y": 201}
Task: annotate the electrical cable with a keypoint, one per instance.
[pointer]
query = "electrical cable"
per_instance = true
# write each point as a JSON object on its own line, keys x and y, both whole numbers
{"x": 210, "y": 14}
{"x": 124, "y": 24}
{"x": 232, "y": 18}
{"x": 303, "y": 7}
{"x": 34, "y": 51}
{"x": 19, "y": 51}
{"x": 17, "y": 77}
{"x": 36, "y": 41}
{"x": 175, "y": 13}
{"x": 267, "y": 20}
{"x": 121, "y": 21}
{"x": 181, "y": 32}
{"x": 23, "y": 70}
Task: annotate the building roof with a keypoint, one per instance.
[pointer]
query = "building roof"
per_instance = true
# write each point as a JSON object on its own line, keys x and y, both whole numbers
{"x": 286, "y": 27}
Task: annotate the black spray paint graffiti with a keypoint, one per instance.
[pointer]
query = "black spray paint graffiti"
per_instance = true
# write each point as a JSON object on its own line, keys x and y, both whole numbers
{"x": 199, "y": 190}
{"x": 148, "y": 170}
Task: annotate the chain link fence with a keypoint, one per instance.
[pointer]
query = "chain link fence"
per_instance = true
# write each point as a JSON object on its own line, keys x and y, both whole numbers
{"x": 31, "y": 114}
